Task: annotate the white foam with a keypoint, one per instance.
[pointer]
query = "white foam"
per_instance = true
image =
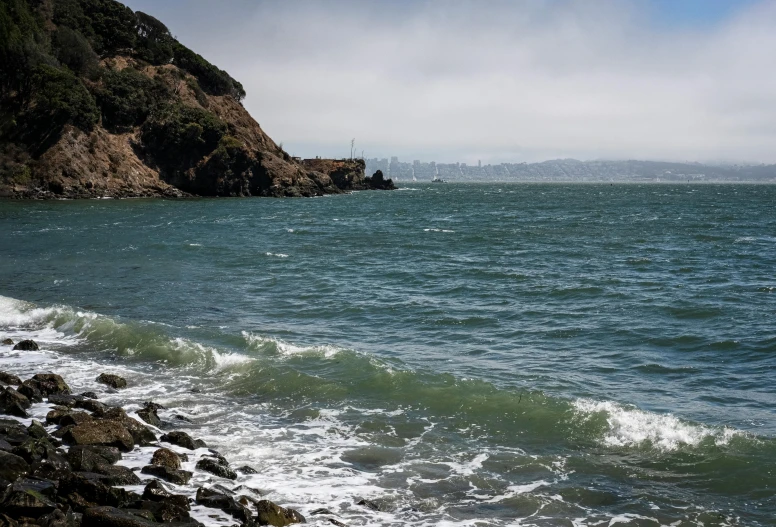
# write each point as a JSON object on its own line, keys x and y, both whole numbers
{"x": 632, "y": 427}
{"x": 287, "y": 349}
{"x": 277, "y": 255}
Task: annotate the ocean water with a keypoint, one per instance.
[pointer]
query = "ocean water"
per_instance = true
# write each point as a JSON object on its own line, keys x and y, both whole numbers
{"x": 459, "y": 354}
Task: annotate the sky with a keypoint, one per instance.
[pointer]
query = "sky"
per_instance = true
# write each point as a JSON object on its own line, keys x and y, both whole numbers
{"x": 497, "y": 80}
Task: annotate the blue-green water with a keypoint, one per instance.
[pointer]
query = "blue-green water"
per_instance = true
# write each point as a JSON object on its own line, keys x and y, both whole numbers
{"x": 461, "y": 353}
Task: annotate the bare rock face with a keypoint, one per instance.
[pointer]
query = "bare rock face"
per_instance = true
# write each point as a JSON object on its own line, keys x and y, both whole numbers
{"x": 165, "y": 457}
{"x": 272, "y": 514}
{"x": 102, "y": 433}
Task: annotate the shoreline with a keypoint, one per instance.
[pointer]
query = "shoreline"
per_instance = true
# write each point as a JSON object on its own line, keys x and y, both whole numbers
{"x": 69, "y": 459}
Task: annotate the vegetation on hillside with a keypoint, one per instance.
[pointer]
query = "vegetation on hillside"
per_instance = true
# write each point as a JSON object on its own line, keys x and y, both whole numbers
{"x": 54, "y": 57}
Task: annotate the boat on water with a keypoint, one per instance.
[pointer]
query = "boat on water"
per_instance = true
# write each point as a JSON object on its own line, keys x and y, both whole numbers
{"x": 438, "y": 180}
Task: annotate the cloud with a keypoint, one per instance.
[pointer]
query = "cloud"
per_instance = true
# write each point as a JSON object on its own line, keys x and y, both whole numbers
{"x": 497, "y": 80}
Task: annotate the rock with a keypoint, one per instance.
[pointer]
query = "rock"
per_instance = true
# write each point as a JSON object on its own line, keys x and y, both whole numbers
{"x": 31, "y": 391}
{"x": 114, "y": 381}
{"x": 8, "y": 342}
{"x": 13, "y": 431}
{"x": 91, "y": 406}
{"x": 272, "y": 514}
{"x": 247, "y": 470}
{"x": 153, "y": 406}
{"x": 36, "y": 430}
{"x": 58, "y": 518}
{"x": 90, "y": 395}
{"x": 62, "y": 399}
{"x": 85, "y": 489}
{"x": 5, "y": 446}
{"x": 164, "y": 457}
{"x": 33, "y": 450}
{"x": 113, "y": 517}
{"x": 182, "y": 418}
{"x": 86, "y": 458}
{"x": 321, "y": 511}
{"x": 165, "y": 512}
{"x": 7, "y": 378}
{"x": 182, "y": 439}
{"x": 336, "y": 522}
{"x": 369, "y": 505}
{"x": 140, "y": 433}
{"x": 117, "y": 475}
{"x": 149, "y": 416}
{"x": 105, "y": 433}
{"x": 179, "y": 477}
{"x": 30, "y": 497}
{"x": 26, "y": 345}
{"x": 49, "y": 383}
{"x": 214, "y": 467}
{"x": 13, "y": 403}
{"x": 113, "y": 412}
{"x": 73, "y": 418}
{"x": 51, "y": 468}
{"x": 156, "y": 491}
{"x": 216, "y": 500}
{"x": 12, "y": 466}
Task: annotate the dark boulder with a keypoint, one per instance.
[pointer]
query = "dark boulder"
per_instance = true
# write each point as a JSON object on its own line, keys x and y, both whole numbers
{"x": 87, "y": 457}
{"x": 272, "y": 514}
{"x": 117, "y": 475}
{"x": 8, "y": 378}
{"x": 91, "y": 406}
{"x": 113, "y": 517}
{"x": 217, "y": 500}
{"x": 114, "y": 381}
{"x": 105, "y": 433}
{"x": 31, "y": 497}
{"x": 12, "y": 466}
{"x": 82, "y": 490}
{"x": 31, "y": 391}
{"x": 51, "y": 468}
{"x": 165, "y": 512}
{"x": 7, "y": 342}
{"x": 90, "y": 395}
{"x": 50, "y": 383}
{"x": 33, "y": 450}
{"x": 164, "y": 457}
{"x": 156, "y": 491}
{"x": 37, "y": 430}
{"x": 26, "y": 345}
{"x": 149, "y": 415}
{"x": 179, "y": 477}
{"x": 141, "y": 434}
{"x": 13, "y": 431}
{"x": 214, "y": 466}
{"x": 59, "y": 518}
{"x": 5, "y": 446}
{"x": 182, "y": 439}
{"x": 247, "y": 470}
{"x": 62, "y": 399}
{"x": 13, "y": 403}
{"x": 369, "y": 504}
{"x": 72, "y": 418}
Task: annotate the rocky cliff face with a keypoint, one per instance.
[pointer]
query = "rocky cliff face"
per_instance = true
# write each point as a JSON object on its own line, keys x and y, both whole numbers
{"x": 349, "y": 174}
{"x": 99, "y": 101}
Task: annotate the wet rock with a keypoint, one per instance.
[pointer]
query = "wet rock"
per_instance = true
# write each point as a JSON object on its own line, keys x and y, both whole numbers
{"x": 182, "y": 418}
{"x": 140, "y": 433}
{"x": 86, "y": 458}
{"x": 247, "y": 470}
{"x": 7, "y": 342}
{"x": 92, "y": 406}
{"x": 321, "y": 511}
{"x": 156, "y": 491}
{"x": 58, "y": 518}
{"x": 13, "y": 431}
{"x": 117, "y": 475}
{"x": 31, "y": 391}
{"x": 30, "y": 497}
{"x": 272, "y": 514}
{"x": 215, "y": 467}
{"x": 182, "y": 439}
{"x": 51, "y": 383}
{"x": 8, "y": 378}
{"x": 336, "y": 522}
{"x": 5, "y": 446}
{"x": 368, "y": 504}
{"x": 12, "y": 466}
{"x": 73, "y": 418}
{"x": 13, "y": 403}
{"x": 36, "y": 430}
{"x": 114, "y": 381}
{"x": 165, "y": 512}
{"x": 153, "y": 406}
{"x": 113, "y": 517}
{"x": 6, "y": 521}
{"x": 164, "y": 457}
{"x": 216, "y": 500}
{"x": 149, "y": 415}
{"x": 26, "y": 345}
{"x": 84, "y": 489}
{"x": 34, "y": 450}
{"x": 89, "y": 395}
{"x": 105, "y": 433}
{"x": 179, "y": 477}
{"x": 62, "y": 399}
{"x": 51, "y": 468}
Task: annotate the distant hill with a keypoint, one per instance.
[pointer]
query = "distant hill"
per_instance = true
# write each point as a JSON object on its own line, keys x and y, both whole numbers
{"x": 97, "y": 100}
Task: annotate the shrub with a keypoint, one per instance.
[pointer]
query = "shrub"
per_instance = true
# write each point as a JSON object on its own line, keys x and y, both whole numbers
{"x": 154, "y": 41}
{"x": 61, "y": 98}
{"x": 73, "y": 50}
{"x": 127, "y": 97}
{"x": 213, "y": 80}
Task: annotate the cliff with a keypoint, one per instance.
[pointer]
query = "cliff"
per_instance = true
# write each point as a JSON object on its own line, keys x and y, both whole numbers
{"x": 349, "y": 174}
{"x": 100, "y": 101}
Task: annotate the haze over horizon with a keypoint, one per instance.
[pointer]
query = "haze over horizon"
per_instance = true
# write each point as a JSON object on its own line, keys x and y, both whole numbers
{"x": 499, "y": 82}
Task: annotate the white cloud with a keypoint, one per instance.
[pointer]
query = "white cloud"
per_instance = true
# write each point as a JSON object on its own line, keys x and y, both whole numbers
{"x": 500, "y": 80}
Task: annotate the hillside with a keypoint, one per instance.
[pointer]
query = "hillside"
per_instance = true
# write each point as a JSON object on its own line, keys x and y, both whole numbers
{"x": 101, "y": 101}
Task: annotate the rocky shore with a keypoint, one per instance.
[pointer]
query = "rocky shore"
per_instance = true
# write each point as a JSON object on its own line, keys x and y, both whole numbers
{"x": 69, "y": 459}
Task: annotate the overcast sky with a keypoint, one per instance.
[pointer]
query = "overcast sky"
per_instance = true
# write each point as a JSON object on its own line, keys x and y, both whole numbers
{"x": 498, "y": 81}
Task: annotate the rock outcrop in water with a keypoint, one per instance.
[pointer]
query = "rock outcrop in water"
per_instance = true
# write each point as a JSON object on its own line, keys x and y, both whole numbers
{"x": 348, "y": 174}
{"x": 101, "y": 101}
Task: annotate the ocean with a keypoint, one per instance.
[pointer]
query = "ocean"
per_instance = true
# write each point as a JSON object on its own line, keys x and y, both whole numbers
{"x": 457, "y": 354}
